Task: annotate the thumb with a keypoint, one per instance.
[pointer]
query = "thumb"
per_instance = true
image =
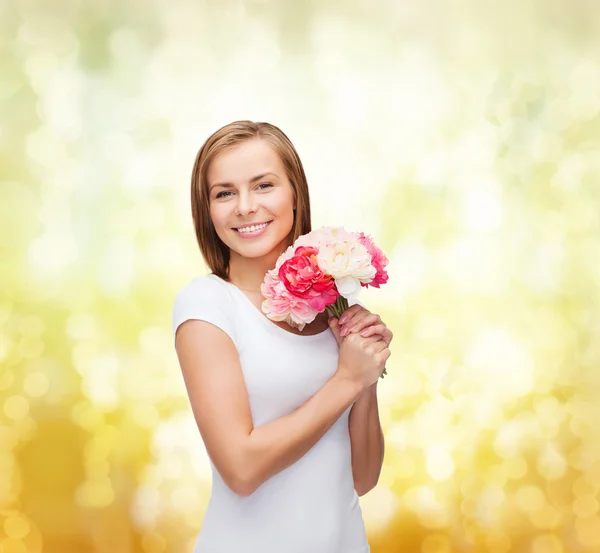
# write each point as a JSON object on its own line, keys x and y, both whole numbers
{"x": 334, "y": 324}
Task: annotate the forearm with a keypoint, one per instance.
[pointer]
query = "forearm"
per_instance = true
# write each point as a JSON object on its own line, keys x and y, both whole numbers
{"x": 278, "y": 444}
{"x": 367, "y": 440}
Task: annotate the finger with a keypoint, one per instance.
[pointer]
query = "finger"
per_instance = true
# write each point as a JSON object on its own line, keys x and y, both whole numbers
{"x": 358, "y": 321}
{"x": 335, "y": 328}
{"x": 375, "y": 338}
{"x": 385, "y": 335}
{"x": 361, "y": 322}
{"x": 374, "y": 329}
{"x": 349, "y": 313}
{"x": 382, "y": 340}
{"x": 379, "y": 346}
{"x": 372, "y": 339}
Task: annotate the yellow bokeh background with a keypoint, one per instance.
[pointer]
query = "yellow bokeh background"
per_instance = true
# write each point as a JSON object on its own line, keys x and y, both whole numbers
{"x": 463, "y": 136}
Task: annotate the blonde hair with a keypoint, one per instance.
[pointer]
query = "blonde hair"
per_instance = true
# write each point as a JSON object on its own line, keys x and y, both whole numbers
{"x": 215, "y": 252}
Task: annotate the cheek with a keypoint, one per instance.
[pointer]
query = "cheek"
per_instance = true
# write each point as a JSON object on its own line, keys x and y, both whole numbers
{"x": 219, "y": 222}
{"x": 217, "y": 216}
{"x": 282, "y": 205}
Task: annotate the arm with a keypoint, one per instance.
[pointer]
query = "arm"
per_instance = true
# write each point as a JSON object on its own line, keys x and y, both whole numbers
{"x": 244, "y": 456}
{"x": 366, "y": 437}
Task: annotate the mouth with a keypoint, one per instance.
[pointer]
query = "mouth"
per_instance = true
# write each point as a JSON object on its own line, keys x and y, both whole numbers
{"x": 252, "y": 229}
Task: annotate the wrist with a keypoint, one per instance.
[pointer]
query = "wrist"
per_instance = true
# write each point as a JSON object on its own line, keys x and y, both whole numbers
{"x": 354, "y": 388}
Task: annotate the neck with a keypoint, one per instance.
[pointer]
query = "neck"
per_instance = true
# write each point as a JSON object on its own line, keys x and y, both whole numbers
{"x": 248, "y": 273}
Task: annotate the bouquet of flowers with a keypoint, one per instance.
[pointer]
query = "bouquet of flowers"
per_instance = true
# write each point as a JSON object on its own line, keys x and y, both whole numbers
{"x": 321, "y": 270}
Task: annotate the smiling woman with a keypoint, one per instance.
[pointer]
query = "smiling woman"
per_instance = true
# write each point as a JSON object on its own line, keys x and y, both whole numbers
{"x": 271, "y": 404}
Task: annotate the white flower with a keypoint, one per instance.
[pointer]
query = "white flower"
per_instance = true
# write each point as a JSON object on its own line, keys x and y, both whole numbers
{"x": 349, "y": 263}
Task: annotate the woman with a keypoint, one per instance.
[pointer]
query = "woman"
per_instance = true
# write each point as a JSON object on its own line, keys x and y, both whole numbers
{"x": 272, "y": 404}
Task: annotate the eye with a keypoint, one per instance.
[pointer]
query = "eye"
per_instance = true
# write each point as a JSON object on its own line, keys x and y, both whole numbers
{"x": 262, "y": 186}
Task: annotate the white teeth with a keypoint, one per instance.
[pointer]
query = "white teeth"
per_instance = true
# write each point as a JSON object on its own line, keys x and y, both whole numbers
{"x": 252, "y": 228}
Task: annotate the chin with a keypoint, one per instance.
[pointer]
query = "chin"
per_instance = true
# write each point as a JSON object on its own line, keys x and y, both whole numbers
{"x": 254, "y": 251}
{"x": 257, "y": 249}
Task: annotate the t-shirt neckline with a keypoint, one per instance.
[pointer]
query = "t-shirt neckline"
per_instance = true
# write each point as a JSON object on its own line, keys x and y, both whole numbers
{"x": 266, "y": 319}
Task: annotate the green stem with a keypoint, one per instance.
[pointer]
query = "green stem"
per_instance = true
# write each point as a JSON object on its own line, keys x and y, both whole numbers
{"x": 337, "y": 308}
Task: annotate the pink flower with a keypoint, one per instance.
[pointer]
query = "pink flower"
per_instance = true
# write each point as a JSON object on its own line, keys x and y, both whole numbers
{"x": 378, "y": 260}
{"x": 287, "y": 254}
{"x": 280, "y": 305}
{"x": 325, "y": 235}
{"x": 303, "y": 278}
{"x": 321, "y": 271}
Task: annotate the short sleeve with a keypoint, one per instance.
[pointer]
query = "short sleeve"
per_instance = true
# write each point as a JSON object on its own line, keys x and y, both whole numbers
{"x": 204, "y": 300}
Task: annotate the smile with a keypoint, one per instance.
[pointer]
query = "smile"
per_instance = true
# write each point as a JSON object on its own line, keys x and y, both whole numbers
{"x": 253, "y": 229}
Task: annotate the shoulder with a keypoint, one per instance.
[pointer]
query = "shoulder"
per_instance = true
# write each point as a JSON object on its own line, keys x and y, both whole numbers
{"x": 204, "y": 298}
{"x": 206, "y": 287}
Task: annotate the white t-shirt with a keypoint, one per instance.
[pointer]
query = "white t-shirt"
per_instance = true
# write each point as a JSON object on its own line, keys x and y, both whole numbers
{"x": 310, "y": 506}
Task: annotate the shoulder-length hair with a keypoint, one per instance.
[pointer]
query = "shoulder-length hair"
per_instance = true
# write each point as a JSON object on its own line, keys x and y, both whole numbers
{"x": 215, "y": 252}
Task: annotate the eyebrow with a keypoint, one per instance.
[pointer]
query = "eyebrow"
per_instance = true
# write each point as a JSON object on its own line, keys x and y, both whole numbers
{"x": 253, "y": 179}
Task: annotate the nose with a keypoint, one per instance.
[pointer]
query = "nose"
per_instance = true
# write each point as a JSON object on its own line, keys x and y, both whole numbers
{"x": 246, "y": 204}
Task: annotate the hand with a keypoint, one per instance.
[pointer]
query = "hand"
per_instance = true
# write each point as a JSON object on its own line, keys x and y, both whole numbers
{"x": 362, "y": 359}
{"x": 359, "y": 319}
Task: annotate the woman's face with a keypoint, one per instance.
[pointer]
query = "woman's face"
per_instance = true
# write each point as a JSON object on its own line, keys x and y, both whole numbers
{"x": 248, "y": 186}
